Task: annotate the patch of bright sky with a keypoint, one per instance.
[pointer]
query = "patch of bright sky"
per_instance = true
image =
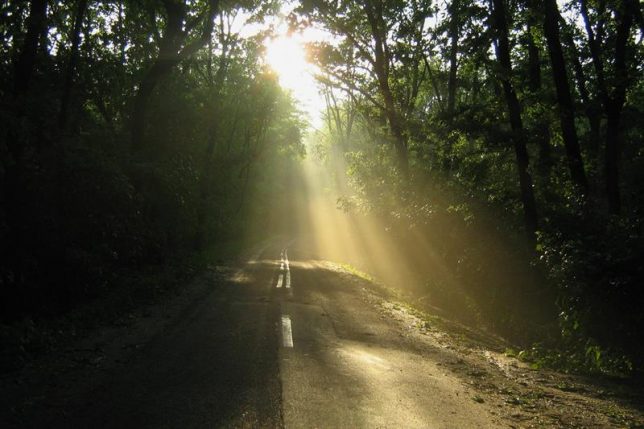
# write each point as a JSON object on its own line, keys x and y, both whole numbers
{"x": 286, "y": 55}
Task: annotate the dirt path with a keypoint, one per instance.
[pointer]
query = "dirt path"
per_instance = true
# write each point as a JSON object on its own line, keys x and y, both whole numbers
{"x": 289, "y": 341}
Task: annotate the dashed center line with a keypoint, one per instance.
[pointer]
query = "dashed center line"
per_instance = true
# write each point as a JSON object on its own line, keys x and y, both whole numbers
{"x": 284, "y": 279}
{"x": 287, "y": 333}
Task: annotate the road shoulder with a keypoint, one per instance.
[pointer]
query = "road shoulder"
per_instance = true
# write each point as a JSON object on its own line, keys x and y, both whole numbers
{"x": 521, "y": 395}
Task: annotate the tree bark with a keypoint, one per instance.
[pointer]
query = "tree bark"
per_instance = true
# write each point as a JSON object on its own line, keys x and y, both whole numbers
{"x": 121, "y": 29}
{"x": 381, "y": 66}
{"x": 611, "y": 157}
{"x": 12, "y": 181}
{"x": 25, "y": 64}
{"x": 453, "y": 52}
{"x": 566, "y": 106}
{"x": 499, "y": 23}
{"x": 170, "y": 55}
{"x": 24, "y": 67}
{"x": 141, "y": 101}
{"x": 594, "y": 46}
{"x": 534, "y": 61}
{"x": 216, "y": 84}
{"x": 591, "y": 109}
{"x": 615, "y": 104}
{"x": 542, "y": 128}
{"x": 433, "y": 81}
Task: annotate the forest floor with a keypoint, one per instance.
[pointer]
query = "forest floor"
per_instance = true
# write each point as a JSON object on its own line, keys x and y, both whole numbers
{"x": 289, "y": 341}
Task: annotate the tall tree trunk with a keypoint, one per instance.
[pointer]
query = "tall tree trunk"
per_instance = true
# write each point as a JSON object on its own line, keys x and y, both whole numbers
{"x": 26, "y": 61}
{"x": 170, "y": 54}
{"x": 534, "y": 61}
{"x": 121, "y": 36}
{"x": 381, "y": 69}
{"x": 166, "y": 60}
{"x": 514, "y": 110}
{"x": 591, "y": 109}
{"x": 204, "y": 186}
{"x": 12, "y": 205}
{"x": 453, "y": 53}
{"x": 141, "y": 101}
{"x": 81, "y": 8}
{"x": 542, "y": 128}
{"x": 216, "y": 85}
{"x": 434, "y": 82}
{"x": 615, "y": 105}
{"x": 24, "y": 67}
{"x": 613, "y": 102}
{"x": 594, "y": 46}
{"x": 566, "y": 106}
{"x": 612, "y": 155}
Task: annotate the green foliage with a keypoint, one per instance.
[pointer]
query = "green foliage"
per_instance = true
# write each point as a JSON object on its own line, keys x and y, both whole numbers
{"x": 596, "y": 268}
{"x": 84, "y": 198}
{"x": 576, "y": 291}
{"x": 580, "y": 356}
{"x": 81, "y": 208}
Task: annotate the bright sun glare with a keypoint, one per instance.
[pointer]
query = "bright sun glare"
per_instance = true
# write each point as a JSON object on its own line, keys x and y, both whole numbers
{"x": 286, "y": 55}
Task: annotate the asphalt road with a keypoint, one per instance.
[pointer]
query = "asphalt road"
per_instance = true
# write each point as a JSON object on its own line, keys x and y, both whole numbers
{"x": 287, "y": 340}
{"x": 284, "y": 342}
{"x": 351, "y": 365}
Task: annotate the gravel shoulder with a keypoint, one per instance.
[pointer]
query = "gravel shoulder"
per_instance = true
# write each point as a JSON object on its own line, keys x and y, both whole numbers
{"x": 522, "y": 396}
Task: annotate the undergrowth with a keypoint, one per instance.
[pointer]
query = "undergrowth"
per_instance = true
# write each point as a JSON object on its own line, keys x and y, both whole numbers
{"x": 124, "y": 297}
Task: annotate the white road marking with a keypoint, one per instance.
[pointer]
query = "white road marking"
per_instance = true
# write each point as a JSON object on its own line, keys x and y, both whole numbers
{"x": 287, "y": 333}
{"x": 284, "y": 279}
{"x": 288, "y": 270}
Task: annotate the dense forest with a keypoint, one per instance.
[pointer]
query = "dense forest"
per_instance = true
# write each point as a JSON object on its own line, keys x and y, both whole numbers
{"x": 506, "y": 135}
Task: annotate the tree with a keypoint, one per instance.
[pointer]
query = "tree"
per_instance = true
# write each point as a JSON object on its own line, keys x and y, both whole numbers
{"x": 566, "y": 106}
{"x": 81, "y": 8}
{"x": 366, "y": 31}
{"x": 174, "y": 48}
{"x": 454, "y": 12}
{"x": 612, "y": 100}
{"x": 24, "y": 68}
{"x": 500, "y": 27}
{"x": 381, "y": 64}
{"x": 84, "y": 205}
{"x": 542, "y": 127}
{"x": 589, "y": 103}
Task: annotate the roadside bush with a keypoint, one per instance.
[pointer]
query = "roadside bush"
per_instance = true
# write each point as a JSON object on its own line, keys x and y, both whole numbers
{"x": 596, "y": 267}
